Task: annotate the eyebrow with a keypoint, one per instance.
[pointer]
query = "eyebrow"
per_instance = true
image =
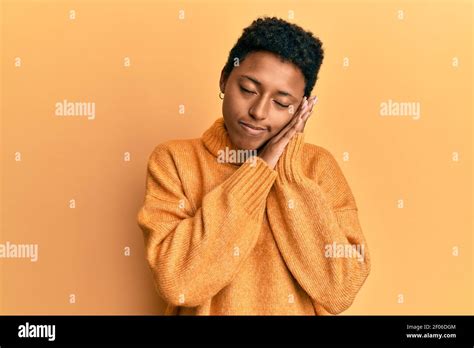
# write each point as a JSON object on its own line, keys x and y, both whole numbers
{"x": 257, "y": 82}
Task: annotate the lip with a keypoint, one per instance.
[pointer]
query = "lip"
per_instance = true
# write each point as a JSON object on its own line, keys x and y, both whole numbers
{"x": 250, "y": 130}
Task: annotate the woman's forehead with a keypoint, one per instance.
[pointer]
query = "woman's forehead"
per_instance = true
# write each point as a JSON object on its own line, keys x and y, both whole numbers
{"x": 269, "y": 69}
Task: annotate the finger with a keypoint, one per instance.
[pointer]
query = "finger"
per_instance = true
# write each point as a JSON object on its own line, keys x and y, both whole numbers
{"x": 293, "y": 121}
{"x": 298, "y": 108}
{"x": 306, "y": 113}
{"x": 283, "y": 142}
{"x": 296, "y": 121}
{"x": 313, "y": 101}
{"x": 305, "y": 119}
{"x": 303, "y": 106}
{"x": 287, "y": 137}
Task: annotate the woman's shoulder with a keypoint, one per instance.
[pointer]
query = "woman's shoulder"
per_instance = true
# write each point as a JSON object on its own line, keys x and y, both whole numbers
{"x": 318, "y": 156}
{"x": 178, "y": 143}
{"x": 321, "y": 165}
{"x": 176, "y": 150}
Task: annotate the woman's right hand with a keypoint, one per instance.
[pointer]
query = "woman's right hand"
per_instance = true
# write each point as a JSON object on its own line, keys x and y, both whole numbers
{"x": 275, "y": 146}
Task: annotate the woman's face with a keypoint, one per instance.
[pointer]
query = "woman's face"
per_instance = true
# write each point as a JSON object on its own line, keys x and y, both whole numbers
{"x": 262, "y": 92}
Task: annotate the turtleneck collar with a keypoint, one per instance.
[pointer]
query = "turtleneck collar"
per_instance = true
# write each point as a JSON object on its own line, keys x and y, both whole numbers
{"x": 216, "y": 138}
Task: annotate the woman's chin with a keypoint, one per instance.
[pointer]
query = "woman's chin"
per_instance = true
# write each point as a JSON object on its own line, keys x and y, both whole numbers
{"x": 248, "y": 145}
{"x": 246, "y": 142}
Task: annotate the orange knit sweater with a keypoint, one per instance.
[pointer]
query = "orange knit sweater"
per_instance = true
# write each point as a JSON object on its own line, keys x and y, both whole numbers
{"x": 244, "y": 239}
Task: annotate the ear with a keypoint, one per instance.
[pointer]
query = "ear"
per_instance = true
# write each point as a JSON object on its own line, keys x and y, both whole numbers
{"x": 222, "y": 81}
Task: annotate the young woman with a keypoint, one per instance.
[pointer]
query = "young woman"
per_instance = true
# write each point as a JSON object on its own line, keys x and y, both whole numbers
{"x": 272, "y": 234}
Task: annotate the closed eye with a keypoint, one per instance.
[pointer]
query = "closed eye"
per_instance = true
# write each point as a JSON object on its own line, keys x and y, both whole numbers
{"x": 250, "y": 92}
{"x": 246, "y": 90}
{"x": 282, "y": 105}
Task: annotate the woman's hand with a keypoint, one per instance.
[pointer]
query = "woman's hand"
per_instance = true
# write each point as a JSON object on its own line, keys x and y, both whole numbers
{"x": 275, "y": 146}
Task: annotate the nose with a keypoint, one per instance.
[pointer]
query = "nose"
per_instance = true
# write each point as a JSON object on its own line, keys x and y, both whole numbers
{"x": 259, "y": 109}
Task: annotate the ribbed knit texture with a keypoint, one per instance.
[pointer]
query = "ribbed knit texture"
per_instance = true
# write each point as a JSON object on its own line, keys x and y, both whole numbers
{"x": 244, "y": 239}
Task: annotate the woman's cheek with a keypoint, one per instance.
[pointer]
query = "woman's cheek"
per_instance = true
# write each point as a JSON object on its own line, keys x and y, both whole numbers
{"x": 235, "y": 108}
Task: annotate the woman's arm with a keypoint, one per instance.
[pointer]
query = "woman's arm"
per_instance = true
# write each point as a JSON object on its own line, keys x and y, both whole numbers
{"x": 311, "y": 218}
{"x": 194, "y": 254}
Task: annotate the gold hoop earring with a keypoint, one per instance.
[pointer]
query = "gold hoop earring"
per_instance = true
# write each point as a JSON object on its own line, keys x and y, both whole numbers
{"x": 222, "y": 95}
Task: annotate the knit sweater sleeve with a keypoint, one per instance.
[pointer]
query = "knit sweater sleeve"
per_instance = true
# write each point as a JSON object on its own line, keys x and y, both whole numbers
{"x": 194, "y": 253}
{"x": 311, "y": 218}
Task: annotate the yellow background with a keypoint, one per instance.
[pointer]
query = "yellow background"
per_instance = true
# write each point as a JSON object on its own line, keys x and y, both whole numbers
{"x": 178, "y": 61}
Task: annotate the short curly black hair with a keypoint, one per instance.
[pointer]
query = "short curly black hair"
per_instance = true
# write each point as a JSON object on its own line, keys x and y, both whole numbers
{"x": 289, "y": 41}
